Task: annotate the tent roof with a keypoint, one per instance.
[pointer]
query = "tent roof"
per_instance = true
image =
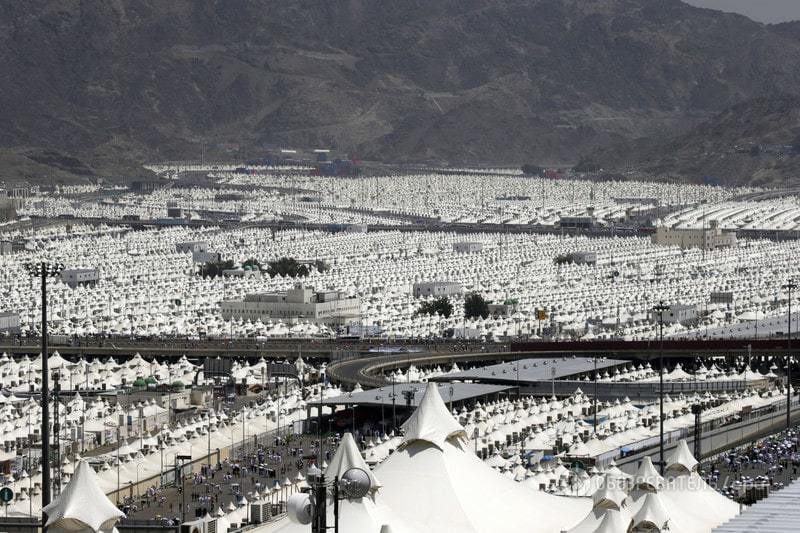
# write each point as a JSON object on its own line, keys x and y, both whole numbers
{"x": 432, "y": 422}
{"x": 652, "y": 512}
{"x": 613, "y": 522}
{"x": 681, "y": 458}
{"x": 647, "y": 476}
{"x": 82, "y": 504}
{"x": 610, "y": 494}
{"x": 346, "y": 457}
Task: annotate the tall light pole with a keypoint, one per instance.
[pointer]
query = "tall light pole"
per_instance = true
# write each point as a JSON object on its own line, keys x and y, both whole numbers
{"x": 45, "y": 270}
{"x": 790, "y": 286}
{"x": 394, "y": 407}
{"x": 594, "y": 407}
{"x": 660, "y": 308}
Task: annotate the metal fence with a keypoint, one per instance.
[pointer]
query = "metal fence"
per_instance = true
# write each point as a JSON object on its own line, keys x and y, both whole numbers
{"x": 20, "y": 524}
{"x": 128, "y": 525}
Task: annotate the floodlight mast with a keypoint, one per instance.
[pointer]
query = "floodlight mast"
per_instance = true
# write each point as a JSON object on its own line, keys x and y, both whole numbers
{"x": 790, "y": 286}
{"x": 660, "y": 308}
{"x": 44, "y": 270}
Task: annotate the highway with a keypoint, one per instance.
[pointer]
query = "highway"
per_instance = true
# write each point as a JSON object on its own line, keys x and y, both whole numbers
{"x": 367, "y": 368}
{"x": 406, "y": 224}
{"x": 316, "y": 349}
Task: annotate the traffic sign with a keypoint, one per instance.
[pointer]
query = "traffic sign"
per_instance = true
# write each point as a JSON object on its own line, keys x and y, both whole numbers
{"x": 6, "y": 495}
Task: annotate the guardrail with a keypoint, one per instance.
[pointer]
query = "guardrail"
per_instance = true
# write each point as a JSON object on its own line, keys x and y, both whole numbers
{"x": 715, "y": 435}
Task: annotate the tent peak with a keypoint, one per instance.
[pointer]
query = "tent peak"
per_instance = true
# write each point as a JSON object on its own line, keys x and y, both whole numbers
{"x": 432, "y": 422}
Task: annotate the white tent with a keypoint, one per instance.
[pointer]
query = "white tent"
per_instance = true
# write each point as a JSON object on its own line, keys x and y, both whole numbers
{"x": 441, "y": 487}
{"x": 367, "y": 514}
{"x": 82, "y": 506}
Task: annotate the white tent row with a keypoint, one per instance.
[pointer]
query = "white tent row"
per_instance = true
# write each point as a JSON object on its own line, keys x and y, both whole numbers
{"x": 148, "y": 288}
{"x": 142, "y": 458}
{"x": 432, "y": 483}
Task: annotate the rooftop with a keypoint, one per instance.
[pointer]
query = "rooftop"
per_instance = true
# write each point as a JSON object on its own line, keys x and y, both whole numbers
{"x": 383, "y": 395}
{"x": 531, "y": 370}
{"x": 778, "y": 513}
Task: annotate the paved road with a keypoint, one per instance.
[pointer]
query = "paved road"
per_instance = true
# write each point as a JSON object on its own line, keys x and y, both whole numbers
{"x": 773, "y": 459}
{"x": 257, "y": 470}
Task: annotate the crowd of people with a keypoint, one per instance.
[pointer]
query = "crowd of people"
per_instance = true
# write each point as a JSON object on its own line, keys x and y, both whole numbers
{"x": 218, "y": 485}
{"x": 772, "y": 462}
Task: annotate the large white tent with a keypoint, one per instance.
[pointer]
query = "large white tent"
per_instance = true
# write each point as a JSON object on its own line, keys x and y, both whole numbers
{"x": 82, "y": 507}
{"x": 440, "y": 486}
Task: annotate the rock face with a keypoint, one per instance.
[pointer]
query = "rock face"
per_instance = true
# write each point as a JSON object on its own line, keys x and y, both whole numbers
{"x": 756, "y": 142}
{"x": 93, "y": 87}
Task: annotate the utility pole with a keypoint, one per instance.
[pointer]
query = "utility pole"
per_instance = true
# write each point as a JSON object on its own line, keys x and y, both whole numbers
{"x": 594, "y": 408}
{"x": 660, "y": 308}
{"x": 394, "y": 407}
{"x": 57, "y": 430}
{"x": 45, "y": 270}
{"x": 790, "y": 286}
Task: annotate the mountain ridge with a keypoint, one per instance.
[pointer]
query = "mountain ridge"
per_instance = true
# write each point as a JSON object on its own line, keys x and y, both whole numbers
{"x": 102, "y": 87}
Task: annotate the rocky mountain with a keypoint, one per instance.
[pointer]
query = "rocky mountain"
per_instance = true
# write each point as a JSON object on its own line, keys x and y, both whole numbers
{"x": 756, "y": 142}
{"x": 97, "y": 87}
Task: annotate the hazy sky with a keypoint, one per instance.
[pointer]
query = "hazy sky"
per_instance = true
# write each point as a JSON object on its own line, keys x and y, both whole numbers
{"x": 760, "y": 10}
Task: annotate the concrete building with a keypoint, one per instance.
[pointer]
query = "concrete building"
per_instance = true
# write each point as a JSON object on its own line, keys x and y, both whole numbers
{"x": 583, "y": 258}
{"x": 436, "y": 289}
{"x": 191, "y": 247}
{"x": 142, "y": 418}
{"x": 173, "y": 211}
{"x": 80, "y": 276}
{"x": 9, "y": 322}
{"x": 709, "y": 238}
{"x": 676, "y": 314}
{"x": 583, "y": 222}
{"x": 6, "y": 248}
{"x": 206, "y": 257}
{"x": 297, "y": 304}
{"x": 467, "y": 247}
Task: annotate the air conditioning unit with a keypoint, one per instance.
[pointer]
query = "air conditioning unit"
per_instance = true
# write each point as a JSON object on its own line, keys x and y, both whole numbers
{"x": 260, "y": 512}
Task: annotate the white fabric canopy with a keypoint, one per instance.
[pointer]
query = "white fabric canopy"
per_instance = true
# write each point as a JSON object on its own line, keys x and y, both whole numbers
{"x": 82, "y": 505}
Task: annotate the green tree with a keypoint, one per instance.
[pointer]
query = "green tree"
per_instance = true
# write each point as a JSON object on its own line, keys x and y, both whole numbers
{"x": 287, "y": 267}
{"x": 441, "y": 306}
{"x": 321, "y": 266}
{"x": 475, "y": 306}
{"x": 254, "y": 264}
{"x": 214, "y": 269}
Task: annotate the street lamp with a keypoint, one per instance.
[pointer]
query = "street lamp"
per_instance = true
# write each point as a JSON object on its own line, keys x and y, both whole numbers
{"x": 660, "y": 308}
{"x": 394, "y": 407}
{"x": 790, "y": 286}
{"x": 45, "y": 270}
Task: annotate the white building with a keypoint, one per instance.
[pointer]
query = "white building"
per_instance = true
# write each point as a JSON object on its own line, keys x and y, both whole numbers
{"x": 467, "y": 247}
{"x": 676, "y": 314}
{"x": 206, "y": 257}
{"x": 298, "y": 304}
{"x": 708, "y": 238}
{"x": 80, "y": 276}
{"x": 583, "y": 258}
{"x": 9, "y": 322}
{"x": 436, "y": 289}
